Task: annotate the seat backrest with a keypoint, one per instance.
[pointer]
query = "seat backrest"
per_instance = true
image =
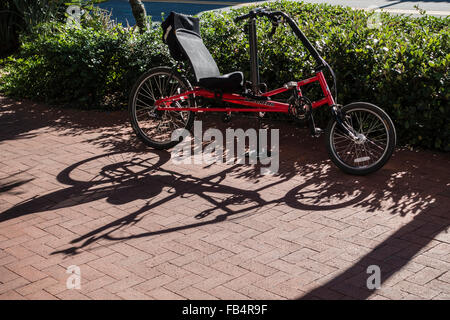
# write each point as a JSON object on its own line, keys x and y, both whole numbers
{"x": 182, "y": 34}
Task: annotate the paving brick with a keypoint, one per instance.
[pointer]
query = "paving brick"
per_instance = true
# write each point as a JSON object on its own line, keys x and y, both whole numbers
{"x": 13, "y": 284}
{"x": 102, "y": 294}
{"x": 41, "y": 295}
{"x": 19, "y": 251}
{"x": 109, "y": 268}
{"x": 425, "y": 275}
{"x": 132, "y": 294}
{"x": 225, "y": 293}
{"x": 164, "y": 294}
{"x": 438, "y": 285}
{"x": 36, "y": 286}
{"x": 11, "y": 295}
{"x": 125, "y": 249}
{"x": 192, "y": 293}
{"x": 212, "y": 282}
{"x": 258, "y": 268}
{"x": 315, "y": 266}
{"x": 134, "y": 230}
{"x": 418, "y": 290}
{"x": 442, "y": 296}
{"x": 95, "y": 284}
{"x": 445, "y": 277}
{"x": 182, "y": 283}
{"x": 6, "y": 275}
{"x": 154, "y": 283}
{"x": 144, "y": 271}
{"x": 273, "y": 280}
{"x": 72, "y": 294}
{"x": 287, "y": 267}
{"x": 123, "y": 284}
{"x": 200, "y": 269}
{"x": 244, "y": 280}
{"x": 299, "y": 255}
{"x": 392, "y": 293}
{"x": 30, "y": 273}
{"x": 259, "y": 293}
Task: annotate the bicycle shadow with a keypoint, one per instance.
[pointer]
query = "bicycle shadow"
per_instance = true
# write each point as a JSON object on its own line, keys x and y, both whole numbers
{"x": 322, "y": 190}
{"x": 209, "y": 189}
{"x": 405, "y": 186}
{"x": 14, "y": 180}
{"x": 122, "y": 177}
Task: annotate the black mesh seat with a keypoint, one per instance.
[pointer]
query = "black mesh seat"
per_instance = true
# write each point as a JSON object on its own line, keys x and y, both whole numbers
{"x": 182, "y": 35}
{"x": 227, "y": 83}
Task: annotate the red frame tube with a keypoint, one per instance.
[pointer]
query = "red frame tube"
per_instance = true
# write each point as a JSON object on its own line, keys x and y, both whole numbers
{"x": 251, "y": 104}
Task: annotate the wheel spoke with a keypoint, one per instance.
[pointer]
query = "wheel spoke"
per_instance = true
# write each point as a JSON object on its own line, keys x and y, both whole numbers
{"x": 154, "y": 124}
{"x": 370, "y": 144}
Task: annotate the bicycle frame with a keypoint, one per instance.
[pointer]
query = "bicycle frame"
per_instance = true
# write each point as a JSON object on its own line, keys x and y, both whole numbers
{"x": 251, "y": 104}
{"x": 360, "y": 137}
{"x": 257, "y": 102}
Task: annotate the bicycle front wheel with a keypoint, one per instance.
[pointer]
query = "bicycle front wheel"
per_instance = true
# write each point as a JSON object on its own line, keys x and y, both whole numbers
{"x": 152, "y": 126}
{"x": 370, "y": 144}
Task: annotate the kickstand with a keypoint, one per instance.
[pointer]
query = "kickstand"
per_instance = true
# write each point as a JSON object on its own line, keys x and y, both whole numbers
{"x": 259, "y": 153}
{"x": 315, "y": 131}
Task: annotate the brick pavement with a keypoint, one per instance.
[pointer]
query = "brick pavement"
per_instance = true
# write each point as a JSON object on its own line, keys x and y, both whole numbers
{"x": 77, "y": 189}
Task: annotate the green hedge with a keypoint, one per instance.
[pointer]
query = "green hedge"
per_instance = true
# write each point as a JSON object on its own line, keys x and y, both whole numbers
{"x": 18, "y": 16}
{"x": 82, "y": 67}
{"x": 402, "y": 65}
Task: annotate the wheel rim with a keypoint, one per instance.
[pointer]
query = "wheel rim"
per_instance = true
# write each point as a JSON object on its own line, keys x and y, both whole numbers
{"x": 370, "y": 145}
{"x": 154, "y": 124}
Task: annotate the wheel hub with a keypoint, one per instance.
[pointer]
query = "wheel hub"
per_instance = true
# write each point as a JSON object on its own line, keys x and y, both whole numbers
{"x": 360, "y": 138}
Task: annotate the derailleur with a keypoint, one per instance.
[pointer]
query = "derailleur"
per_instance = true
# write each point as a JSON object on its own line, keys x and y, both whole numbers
{"x": 301, "y": 108}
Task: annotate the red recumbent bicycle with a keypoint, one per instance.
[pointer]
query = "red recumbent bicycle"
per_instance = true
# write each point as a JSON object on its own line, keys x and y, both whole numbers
{"x": 360, "y": 137}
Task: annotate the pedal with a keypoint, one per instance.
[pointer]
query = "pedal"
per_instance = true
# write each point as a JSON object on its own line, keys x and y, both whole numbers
{"x": 226, "y": 117}
{"x": 317, "y": 132}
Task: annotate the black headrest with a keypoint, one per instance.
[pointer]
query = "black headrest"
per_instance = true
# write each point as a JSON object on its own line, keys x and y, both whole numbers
{"x": 177, "y": 21}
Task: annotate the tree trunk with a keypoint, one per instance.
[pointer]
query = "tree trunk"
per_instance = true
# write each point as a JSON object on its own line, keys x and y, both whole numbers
{"x": 139, "y": 14}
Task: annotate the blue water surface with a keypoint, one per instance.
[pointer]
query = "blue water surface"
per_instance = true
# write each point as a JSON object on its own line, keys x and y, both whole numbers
{"x": 121, "y": 10}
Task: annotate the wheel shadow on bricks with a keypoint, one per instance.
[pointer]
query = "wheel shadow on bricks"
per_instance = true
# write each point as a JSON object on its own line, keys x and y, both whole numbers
{"x": 124, "y": 177}
{"x": 411, "y": 184}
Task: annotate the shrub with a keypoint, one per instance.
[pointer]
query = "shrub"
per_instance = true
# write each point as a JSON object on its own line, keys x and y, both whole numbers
{"x": 402, "y": 65}
{"x": 88, "y": 66}
{"x": 22, "y": 15}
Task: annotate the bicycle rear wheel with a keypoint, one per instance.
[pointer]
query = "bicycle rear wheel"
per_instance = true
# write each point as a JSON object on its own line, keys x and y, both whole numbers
{"x": 152, "y": 126}
{"x": 373, "y": 140}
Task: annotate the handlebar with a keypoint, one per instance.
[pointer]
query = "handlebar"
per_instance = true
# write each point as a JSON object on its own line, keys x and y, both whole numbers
{"x": 258, "y": 12}
{"x": 276, "y": 17}
{"x": 243, "y": 17}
